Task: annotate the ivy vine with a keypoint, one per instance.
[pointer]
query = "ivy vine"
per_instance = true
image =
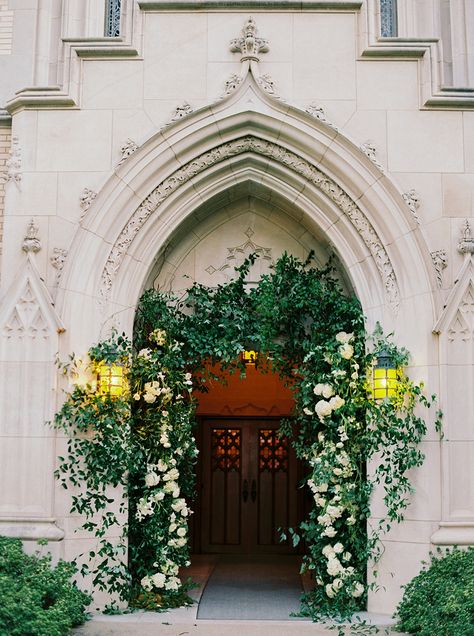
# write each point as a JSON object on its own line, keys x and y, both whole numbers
{"x": 311, "y": 333}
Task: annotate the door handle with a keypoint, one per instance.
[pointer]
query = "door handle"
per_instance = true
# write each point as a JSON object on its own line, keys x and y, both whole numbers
{"x": 253, "y": 493}
{"x": 245, "y": 490}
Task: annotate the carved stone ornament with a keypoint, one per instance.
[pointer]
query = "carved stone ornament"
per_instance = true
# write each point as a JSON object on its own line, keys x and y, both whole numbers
{"x": 277, "y": 153}
{"x": 181, "y": 111}
{"x": 31, "y": 242}
{"x": 249, "y": 44}
{"x": 412, "y": 200}
{"x": 440, "y": 262}
{"x": 13, "y": 164}
{"x": 317, "y": 112}
{"x": 57, "y": 261}
{"x": 231, "y": 84}
{"x": 127, "y": 149}
{"x": 86, "y": 198}
{"x": 240, "y": 252}
{"x": 268, "y": 85}
{"x": 466, "y": 243}
{"x": 370, "y": 151}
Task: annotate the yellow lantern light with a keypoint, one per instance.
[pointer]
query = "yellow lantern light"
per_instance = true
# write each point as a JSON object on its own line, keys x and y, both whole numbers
{"x": 384, "y": 376}
{"x": 249, "y": 356}
{"x": 110, "y": 379}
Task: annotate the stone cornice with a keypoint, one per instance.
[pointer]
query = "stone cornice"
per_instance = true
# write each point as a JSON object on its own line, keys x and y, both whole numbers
{"x": 253, "y": 5}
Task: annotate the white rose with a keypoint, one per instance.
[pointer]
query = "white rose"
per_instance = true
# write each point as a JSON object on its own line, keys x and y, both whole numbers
{"x": 318, "y": 389}
{"x": 325, "y": 520}
{"x": 172, "y": 475}
{"x": 172, "y": 527}
{"x": 173, "y": 583}
{"x": 346, "y": 556}
{"x": 344, "y": 337}
{"x": 334, "y": 511}
{"x": 337, "y": 471}
{"x": 181, "y": 542}
{"x": 322, "y": 488}
{"x": 136, "y": 396}
{"x": 346, "y": 351}
{"x": 358, "y": 590}
{"x": 162, "y": 466}
{"x": 323, "y": 409}
{"x": 158, "y": 496}
{"x": 146, "y": 583}
{"x": 158, "y": 579}
{"x": 327, "y": 391}
{"x": 338, "y": 548}
{"x": 150, "y": 398}
{"x": 329, "y": 532}
{"x": 184, "y": 512}
{"x": 351, "y": 521}
{"x": 152, "y": 479}
{"x": 329, "y": 591}
{"x": 328, "y": 550}
{"x": 179, "y": 505}
{"x": 334, "y": 566}
{"x": 336, "y": 402}
{"x": 181, "y": 532}
{"x": 337, "y": 584}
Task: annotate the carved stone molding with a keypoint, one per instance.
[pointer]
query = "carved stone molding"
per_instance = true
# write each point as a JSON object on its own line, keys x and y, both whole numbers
{"x": 268, "y": 85}
{"x": 13, "y": 164}
{"x": 440, "y": 262}
{"x": 249, "y": 44}
{"x": 466, "y": 242}
{"x": 370, "y": 151}
{"x": 413, "y": 201}
{"x": 277, "y": 153}
{"x": 86, "y": 199}
{"x": 31, "y": 242}
{"x": 231, "y": 84}
{"x": 27, "y": 319}
{"x": 127, "y": 149}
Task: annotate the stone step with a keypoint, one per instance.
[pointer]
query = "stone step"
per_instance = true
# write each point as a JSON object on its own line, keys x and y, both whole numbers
{"x": 183, "y": 622}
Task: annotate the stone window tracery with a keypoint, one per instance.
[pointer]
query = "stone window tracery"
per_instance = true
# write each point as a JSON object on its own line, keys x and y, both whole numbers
{"x": 112, "y": 18}
{"x": 388, "y": 19}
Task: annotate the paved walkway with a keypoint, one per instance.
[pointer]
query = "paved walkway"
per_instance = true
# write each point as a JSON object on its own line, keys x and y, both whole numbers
{"x": 187, "y": 622}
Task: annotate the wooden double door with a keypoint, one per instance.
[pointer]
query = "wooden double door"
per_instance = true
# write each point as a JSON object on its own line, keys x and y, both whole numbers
{"x": 249, "y": 486}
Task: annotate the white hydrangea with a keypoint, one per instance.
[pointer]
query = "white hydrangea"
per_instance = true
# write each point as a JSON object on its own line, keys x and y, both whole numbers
{"x": 173, "y": 583}
{"x": 336, "y": 402}
{"x": 158, "y": 579}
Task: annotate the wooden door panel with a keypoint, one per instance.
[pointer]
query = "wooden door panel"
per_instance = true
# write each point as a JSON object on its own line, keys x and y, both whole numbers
{"x": 245, "y": 456}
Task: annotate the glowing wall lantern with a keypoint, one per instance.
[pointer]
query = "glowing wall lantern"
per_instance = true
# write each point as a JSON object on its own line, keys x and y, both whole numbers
{"x": 110, "y": 379}
{"x": 384, "y": 376}
{"x": 249, "y": 356}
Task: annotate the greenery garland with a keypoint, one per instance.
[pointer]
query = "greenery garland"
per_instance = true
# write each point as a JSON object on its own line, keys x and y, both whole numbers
{"x": 313, "y": 335}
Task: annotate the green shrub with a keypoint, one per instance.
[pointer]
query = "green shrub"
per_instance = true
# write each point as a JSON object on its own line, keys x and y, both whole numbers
{"x": 36, "y": 599}
{"x": 440, "y": 600}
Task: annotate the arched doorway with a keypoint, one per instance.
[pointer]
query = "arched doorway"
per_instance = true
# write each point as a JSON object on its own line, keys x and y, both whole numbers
{"x": 248, "y": 475}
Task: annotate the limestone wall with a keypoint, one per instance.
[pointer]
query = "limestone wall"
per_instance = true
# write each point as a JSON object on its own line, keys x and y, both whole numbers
{"x": 110, "y": 122}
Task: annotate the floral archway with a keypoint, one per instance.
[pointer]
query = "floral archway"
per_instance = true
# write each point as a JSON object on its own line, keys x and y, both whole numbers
{"x": 140, "y": 438}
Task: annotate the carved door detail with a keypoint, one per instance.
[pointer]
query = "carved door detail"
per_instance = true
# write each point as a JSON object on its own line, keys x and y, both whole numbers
{"x": 249, "y": 487}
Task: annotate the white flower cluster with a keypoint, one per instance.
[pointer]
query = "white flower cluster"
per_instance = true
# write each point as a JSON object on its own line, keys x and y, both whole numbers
{"x": 166, "y": 578}
{"x": 324, "y": 408}
{"x": 168, "y": 478}
{"x": 342, "y": 576}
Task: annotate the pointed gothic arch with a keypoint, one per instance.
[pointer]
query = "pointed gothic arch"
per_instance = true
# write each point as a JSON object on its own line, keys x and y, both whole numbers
{"x": 249, "y": 136}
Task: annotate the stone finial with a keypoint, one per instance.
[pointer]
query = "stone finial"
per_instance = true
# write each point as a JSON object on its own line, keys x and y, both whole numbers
{"x": 249, "y": 44}
{"x": 466, "y": 243}
{"x": 31, "y": 242}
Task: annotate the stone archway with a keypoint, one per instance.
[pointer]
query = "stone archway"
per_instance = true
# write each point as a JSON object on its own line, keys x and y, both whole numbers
{"x": 297, "y": 166}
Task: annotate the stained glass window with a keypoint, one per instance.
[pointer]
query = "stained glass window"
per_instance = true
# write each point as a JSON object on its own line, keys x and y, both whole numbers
{"x": 388, "y": 18}
{"x": 112, "y": 18}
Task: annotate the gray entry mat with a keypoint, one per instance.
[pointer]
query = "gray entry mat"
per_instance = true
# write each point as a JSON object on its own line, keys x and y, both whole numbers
{"x": 252, "y": 587}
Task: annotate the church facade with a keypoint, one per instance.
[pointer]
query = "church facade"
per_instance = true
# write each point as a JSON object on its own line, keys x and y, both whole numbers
{"x": 149, "y": 142}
